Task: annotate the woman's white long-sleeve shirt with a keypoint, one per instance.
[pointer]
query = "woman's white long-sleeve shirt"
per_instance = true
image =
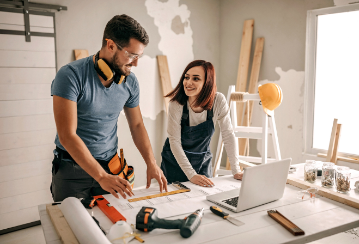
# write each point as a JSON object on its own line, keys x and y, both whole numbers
{"x": 220, "y": 114}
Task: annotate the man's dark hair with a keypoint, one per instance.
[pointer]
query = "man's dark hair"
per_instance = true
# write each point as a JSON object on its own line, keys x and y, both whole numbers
{"x": 121, "y": 28}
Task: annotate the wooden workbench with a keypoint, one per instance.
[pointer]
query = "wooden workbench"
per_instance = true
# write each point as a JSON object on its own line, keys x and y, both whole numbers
{"x": 319, "y": 218}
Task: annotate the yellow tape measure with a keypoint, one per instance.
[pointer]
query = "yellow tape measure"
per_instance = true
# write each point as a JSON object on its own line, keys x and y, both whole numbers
{"x": 158, "y": 195}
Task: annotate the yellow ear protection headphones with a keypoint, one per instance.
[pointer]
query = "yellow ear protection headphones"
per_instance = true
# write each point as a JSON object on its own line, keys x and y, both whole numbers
{"x": 104, "y": 70}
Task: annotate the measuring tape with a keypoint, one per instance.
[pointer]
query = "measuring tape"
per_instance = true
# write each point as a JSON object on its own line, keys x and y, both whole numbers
{"x": 158, "y": 195}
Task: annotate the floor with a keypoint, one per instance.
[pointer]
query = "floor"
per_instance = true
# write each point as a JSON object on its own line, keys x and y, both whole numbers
{"x": 35, "y": 235}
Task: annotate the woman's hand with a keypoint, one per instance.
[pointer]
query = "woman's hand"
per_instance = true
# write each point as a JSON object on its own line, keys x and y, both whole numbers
{"x": 201, "y": 180}
{"x": 238, "y": 176}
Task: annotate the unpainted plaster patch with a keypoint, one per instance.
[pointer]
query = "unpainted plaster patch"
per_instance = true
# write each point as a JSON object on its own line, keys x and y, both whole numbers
{"x": 177, "y": 26}
{"x": 163, "y": 14}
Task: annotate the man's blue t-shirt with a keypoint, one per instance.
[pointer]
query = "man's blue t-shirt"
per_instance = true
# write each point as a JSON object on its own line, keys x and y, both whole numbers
{"x": 98, "y": 107}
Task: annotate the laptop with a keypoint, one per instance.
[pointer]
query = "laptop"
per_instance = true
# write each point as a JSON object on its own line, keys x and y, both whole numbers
{"x": 260, "y": 185}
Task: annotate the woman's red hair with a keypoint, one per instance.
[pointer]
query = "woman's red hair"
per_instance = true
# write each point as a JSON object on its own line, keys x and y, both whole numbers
{"x": 206, "y": 96}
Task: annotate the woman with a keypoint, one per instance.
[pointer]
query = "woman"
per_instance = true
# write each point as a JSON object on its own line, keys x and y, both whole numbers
{"x": 194, "y": 109}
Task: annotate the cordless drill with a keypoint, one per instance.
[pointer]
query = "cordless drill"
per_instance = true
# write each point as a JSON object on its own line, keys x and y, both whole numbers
{"x": 147, "y": 220}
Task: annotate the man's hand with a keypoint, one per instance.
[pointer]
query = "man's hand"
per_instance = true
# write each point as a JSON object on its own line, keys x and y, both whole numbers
{"x": 153, "y": 171}
{"x": 201, "y": 180}
{"x": 238, "y": 176}
{"x": 113, "y": 184}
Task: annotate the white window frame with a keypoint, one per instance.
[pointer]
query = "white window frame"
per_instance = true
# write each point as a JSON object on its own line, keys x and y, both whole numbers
{"x": 310, "y": 68}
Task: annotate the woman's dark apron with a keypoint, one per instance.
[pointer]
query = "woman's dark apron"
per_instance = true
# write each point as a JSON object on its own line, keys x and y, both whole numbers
{"x": 195, "y": 143}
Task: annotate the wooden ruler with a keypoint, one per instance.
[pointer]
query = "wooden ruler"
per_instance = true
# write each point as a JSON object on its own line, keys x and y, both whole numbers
{"x": 158, "y": 195}
{"x": 286, "y": 223}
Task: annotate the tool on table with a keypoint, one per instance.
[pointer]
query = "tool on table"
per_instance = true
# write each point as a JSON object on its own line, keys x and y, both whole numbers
{"x": 104, "y": 206}
{"x": 286, "y": 223}
{"x": 220, "y": 213}
{"x": 181, "y": 188}
{"x": 147, "y": 220}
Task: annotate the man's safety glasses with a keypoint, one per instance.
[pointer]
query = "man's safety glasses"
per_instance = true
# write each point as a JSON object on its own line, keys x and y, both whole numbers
{"x": 129, "y": 55}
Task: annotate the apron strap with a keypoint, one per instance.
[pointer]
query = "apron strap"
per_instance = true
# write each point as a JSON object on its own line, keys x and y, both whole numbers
{"x": 210, "y": 114}
{"x": 185, "y": 116}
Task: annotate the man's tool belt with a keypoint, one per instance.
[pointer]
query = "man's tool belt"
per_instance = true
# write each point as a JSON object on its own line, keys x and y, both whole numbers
{"x": 123, "y": 171}
{"x": 114, "y": 166}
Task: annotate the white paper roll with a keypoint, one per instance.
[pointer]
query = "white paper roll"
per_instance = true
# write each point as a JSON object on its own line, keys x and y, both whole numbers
{"x": 81, "y": 222}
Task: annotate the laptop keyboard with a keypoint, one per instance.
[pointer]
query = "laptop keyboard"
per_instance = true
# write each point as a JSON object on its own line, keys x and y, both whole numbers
{"x": 232, "y": 201}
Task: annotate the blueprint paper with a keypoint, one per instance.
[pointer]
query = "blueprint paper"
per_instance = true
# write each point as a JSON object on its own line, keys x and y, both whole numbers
{"x": 172, "y": 205}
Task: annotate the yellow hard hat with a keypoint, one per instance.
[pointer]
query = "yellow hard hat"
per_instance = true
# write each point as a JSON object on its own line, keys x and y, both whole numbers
{"x": 271, "y": 97}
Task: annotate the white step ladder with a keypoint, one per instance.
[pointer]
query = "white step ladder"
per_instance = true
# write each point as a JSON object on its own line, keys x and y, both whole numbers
{"x": 249, "y": 132}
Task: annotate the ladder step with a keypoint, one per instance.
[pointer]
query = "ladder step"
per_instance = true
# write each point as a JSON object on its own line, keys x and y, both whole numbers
{"x": 251, "y": 129}
{"x": 248, "y": 135}
{"x": 255, "y": 159}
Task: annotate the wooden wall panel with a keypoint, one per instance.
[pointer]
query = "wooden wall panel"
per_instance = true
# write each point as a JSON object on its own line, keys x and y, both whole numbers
{"x": 19, "y": 217}
{"x": 38, "y": 44}
{"x": 33, "y": 199}
{"x": 10, "y": 92}
{"x": 25, "y": 170}
{"x": 27, "y": 127}
{"x": 27, "y": 75}
{"x": 24, "y": 186}
{"x": 25, "y": 107}
{"x": 27, "y": 154}
{"x": 27, "y": 123}
{"x": 26, "y": 139}
{"x": 18, "y": 19}
{"x": 27, "y": 59}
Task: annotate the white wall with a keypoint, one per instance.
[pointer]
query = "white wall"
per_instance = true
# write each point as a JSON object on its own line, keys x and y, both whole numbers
{"x": 27, "y": 125}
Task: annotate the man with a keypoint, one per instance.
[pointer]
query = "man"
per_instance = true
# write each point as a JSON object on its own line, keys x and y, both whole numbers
{"x": 86, "y": 110}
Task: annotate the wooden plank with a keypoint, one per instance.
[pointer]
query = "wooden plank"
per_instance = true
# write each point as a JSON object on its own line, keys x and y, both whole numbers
{"x": 242, "y": 75}
{"x": 342, "y": 198}
{"x": 165, "y": 77}
{"x": 27, "y": 123}
{"x": 18, "y": 19}
{"x": 27, "y": 75}
{"x": 345, "y": 159}
{"x": 11, "y": 92}
{"x": 25, "y": 170}
{"x": 79, "y": 54}
{"x": 336, "y": 144}
{"x": 25, "y": 185}
{"x": 23, "y": 201}
{"x": 20, "y": 217}
{"x": 62, "y": 227}
{"x": 17, "y": 43}
{"x": 22, "y": 28}
{"x": 27, "y": 59}
{"x": 27, "y": 154}
{"x": 331, "y": 142}
{"x": 26, "y": 139}
{"x": 25, "y": 107}
{"x": 253, "y": 87}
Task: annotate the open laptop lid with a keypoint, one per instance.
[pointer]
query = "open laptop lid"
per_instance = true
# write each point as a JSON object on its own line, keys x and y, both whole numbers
{"x": 263, "y": 183}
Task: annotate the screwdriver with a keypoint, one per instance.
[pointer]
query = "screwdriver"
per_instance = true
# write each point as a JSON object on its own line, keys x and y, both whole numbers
{"x": 220, "y": 213}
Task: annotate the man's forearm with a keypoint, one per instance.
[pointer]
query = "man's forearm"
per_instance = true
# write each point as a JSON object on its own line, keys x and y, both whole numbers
{"x": 80, "y": 153}
{"x": 142, "y": 142}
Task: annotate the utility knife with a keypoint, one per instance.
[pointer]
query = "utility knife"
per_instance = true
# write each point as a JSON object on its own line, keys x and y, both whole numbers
{"x": 220, "y": 213}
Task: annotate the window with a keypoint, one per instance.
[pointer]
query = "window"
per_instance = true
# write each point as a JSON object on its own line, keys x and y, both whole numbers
{"x": 332, "y": 78}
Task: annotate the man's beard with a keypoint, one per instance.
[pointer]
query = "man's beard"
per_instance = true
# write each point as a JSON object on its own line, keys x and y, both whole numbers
{"x": 117, "y": 68}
